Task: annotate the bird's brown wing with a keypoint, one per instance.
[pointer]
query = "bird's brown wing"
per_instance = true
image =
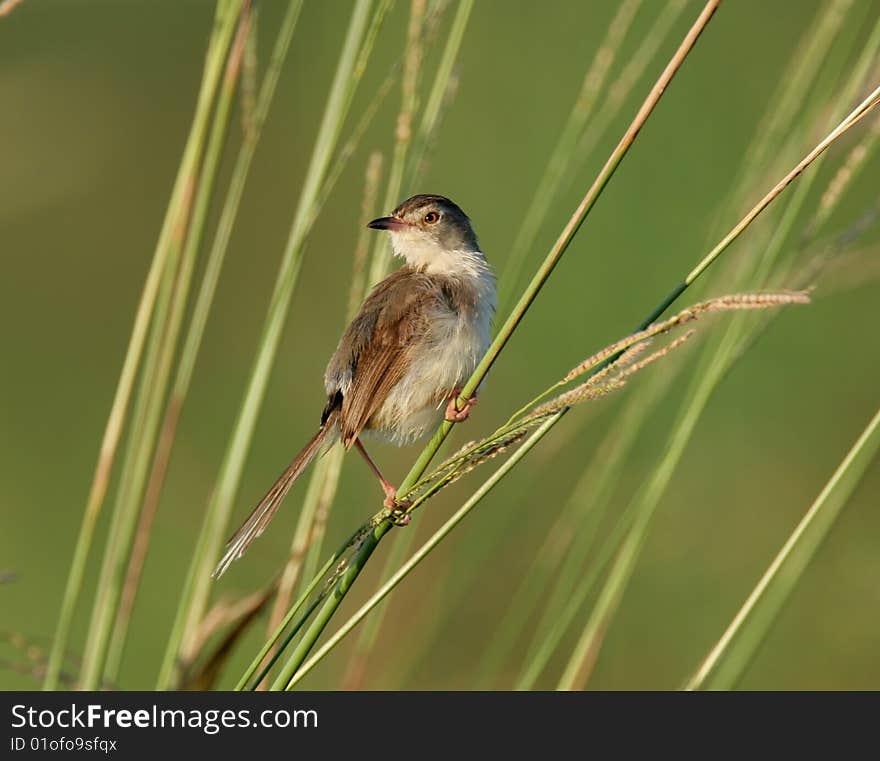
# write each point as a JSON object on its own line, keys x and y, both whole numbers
{"x": 374, "y": 352}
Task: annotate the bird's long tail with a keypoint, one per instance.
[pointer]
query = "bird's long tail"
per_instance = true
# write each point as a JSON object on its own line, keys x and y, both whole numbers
{"x": 265, "y": 510}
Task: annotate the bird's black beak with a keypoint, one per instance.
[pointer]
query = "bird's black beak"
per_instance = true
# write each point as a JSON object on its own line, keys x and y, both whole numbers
{"x": 387, "y": 223}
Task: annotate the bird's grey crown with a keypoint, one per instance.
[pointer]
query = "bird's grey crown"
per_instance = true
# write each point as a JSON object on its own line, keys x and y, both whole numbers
{"x": 428, "y": 201}
{"x": 454, "y": 231}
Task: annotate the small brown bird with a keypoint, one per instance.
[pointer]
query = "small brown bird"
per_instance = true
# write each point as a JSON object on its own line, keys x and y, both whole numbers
{"x": 402, "y": 361}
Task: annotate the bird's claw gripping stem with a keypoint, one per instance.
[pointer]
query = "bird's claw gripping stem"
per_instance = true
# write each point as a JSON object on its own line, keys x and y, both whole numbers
{"x": 455, "y": 415}
{"x": 396, "y": 507}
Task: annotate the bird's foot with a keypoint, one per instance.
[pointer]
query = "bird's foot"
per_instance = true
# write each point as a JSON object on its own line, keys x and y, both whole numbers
{"x": 397, "y": 508}
{"x": 455, "y": 415}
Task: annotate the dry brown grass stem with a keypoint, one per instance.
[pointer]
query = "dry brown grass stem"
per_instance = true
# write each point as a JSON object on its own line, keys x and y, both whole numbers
{"x": 249, "y": 74}
{"x": 596, "y": 385}
{"x": 629, "y": 356}
{"x": 622, "y": 87}
{"x": 7, "y": 6}
{"x": 635, "y": 367}
{"x": 423, "y": 152}
{"x": 606, "y": 53}
{"x": 612, "y": 377}
{"x": 411, "y": 66}
{"x": 168, "y": 430}
{"x": 235, "y": 616}
{"x": 309, "y": 531}
{"x": 322, "y": 486}
{"x": 848, "y": 170}
{"x": 721, "y": 304}
{"x": 368, "y": 206}
{"x": 416, "y": 39}
{"x": 429, "y": 32}
{"x": 481, "y": 452}
{"x": 225, "y": 612}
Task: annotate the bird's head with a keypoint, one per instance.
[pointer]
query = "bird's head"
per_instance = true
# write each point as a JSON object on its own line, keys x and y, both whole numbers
{"x": 431, "y": 233}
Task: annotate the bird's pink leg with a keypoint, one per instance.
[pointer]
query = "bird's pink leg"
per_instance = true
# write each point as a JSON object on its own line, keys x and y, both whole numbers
{"x": 455, "y": 415}
{"x": 391, "y": 501}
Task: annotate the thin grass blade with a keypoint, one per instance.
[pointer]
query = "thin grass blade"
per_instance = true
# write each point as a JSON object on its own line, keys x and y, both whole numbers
{"x": 725, "y": 664}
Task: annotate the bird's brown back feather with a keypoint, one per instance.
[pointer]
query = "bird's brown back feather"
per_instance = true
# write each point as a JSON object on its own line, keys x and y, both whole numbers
{"x": 374, "y": 353}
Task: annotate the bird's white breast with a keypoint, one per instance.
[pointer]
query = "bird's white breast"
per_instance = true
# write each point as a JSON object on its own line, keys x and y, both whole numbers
{"x": 455, "y": 344}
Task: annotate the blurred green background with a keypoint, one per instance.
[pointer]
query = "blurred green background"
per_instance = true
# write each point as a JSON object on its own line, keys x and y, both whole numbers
{"x": 96, "y": 100}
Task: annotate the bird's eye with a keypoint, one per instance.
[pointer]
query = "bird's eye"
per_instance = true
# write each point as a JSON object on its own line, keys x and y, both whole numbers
{"x": 431, "y": 217}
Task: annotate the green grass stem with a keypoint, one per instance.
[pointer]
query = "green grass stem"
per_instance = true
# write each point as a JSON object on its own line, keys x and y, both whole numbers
{"x": 381, "y": 256}
{"x": 714, "y": 368}
{"x": 662, "y": 475}
{"x": 725, "y": 664}
{"x": 133, "y": 482}
{"x": 294, "y": 677}
{"x": 285, "y": 622}
{"x": 558, "y": 564}
{"x": 196, "y": 588}
{"x": 324, "y": 614}
{"x": 204, "y": 300}
{"x": 558, "y": 163}
{"x": 176, "y": 214}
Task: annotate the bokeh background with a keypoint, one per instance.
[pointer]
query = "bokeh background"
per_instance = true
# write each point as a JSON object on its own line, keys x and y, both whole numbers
{"x": 95, "y": 103}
